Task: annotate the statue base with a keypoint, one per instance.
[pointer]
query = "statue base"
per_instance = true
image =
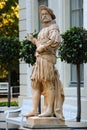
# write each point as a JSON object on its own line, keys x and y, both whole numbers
{"x": 44, "y": 122}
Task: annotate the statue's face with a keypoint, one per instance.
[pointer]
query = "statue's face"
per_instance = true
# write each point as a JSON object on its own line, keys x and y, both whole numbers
{"x": 45, "y": 16}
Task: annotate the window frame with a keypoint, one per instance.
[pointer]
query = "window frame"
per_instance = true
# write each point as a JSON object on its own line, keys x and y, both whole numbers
{"x": 80, "y": 24}
{"x": 80, "y": 9}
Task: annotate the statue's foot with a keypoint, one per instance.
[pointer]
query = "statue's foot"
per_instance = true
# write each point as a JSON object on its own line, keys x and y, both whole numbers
{"x": 30, "y": 114}
{"x": 60, "y": 117}
{"x": 46, "y": 114}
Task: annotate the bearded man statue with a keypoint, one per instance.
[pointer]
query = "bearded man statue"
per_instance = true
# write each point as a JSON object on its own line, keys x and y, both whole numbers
{"x": 45, "y": 77}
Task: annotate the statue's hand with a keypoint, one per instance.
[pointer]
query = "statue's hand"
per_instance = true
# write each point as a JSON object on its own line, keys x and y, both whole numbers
{"x": 30, "y": 37}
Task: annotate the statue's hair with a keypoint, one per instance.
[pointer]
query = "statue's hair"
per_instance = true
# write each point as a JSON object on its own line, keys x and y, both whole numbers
{"x": 50, "y": 11}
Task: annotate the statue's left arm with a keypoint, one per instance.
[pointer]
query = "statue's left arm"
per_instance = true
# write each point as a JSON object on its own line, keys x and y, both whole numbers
{"x": 53, "y": 41}
{"x": 54, "y": 36}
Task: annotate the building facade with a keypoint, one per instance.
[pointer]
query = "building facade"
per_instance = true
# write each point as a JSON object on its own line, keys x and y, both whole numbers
{"x": 68, "y": 13}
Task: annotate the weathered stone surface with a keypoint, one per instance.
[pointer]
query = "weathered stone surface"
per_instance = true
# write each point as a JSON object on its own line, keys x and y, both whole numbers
{"x": 45, "y": 129}
{"x": 66, "y": 126}
{"x": 46, "y": 122}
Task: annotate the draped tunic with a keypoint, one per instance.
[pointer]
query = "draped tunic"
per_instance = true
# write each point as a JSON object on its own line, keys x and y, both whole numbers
{"x": 49, "y": 40}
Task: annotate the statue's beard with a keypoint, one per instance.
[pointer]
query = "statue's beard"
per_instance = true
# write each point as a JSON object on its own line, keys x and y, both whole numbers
{"x": 46, "y": 19}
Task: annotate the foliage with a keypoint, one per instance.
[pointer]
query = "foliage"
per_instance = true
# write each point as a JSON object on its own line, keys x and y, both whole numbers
{"x": 14, "y": 103}
{"x": 9, "y": 59}
{"x": 73, "y": 48}
{"x": 3, "y": 73}
{"x": 9, "y": 51}
{"x": 9, "y": 18}
{"x": 28, "y": 50}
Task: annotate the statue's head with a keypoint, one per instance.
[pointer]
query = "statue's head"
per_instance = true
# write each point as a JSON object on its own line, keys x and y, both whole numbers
{"x": 46, "y": 14}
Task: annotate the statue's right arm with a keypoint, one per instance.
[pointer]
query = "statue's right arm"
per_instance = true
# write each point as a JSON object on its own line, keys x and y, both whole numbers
{"x": 31, "y": 38}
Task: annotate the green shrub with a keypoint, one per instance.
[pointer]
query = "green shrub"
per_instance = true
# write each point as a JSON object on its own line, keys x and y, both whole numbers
{"x": 14, "y": 103}
{"x": 73, "y": 48}
{"x": 28, "y": 49}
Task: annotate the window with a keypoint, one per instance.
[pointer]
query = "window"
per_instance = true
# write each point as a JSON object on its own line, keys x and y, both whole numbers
{"x": 76, "y": 19}
{"x": 76, "y": 13}
{"x": 42, "y": 2}
{"x": 74, "y": 75}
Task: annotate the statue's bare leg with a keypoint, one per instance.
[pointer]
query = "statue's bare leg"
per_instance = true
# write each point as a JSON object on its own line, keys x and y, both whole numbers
{"x": 35, "y": 98}
{"x": 49, "y": 99}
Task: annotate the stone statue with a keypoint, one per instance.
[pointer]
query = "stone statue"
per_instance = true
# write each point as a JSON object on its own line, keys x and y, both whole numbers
{"x": 45, "y": 77}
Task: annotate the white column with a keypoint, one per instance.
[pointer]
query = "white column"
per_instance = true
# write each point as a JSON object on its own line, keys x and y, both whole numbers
{"x": 85, "y": 26}
{"x": 59, "y": 21}
{"x": 28, "y": 16}
{"x": 25, "y": 24}
{"x": 56, "y": 6}
{"x": 85, "y": 14}
{"x": 31, "y": 15}
{"x": 28, "y": 30}
{"x": 85, "y": 79}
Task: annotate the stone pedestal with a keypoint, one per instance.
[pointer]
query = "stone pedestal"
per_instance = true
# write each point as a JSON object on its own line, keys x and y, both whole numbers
{"x": 51, "y": 123}
{"x": 44, "y": 123}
